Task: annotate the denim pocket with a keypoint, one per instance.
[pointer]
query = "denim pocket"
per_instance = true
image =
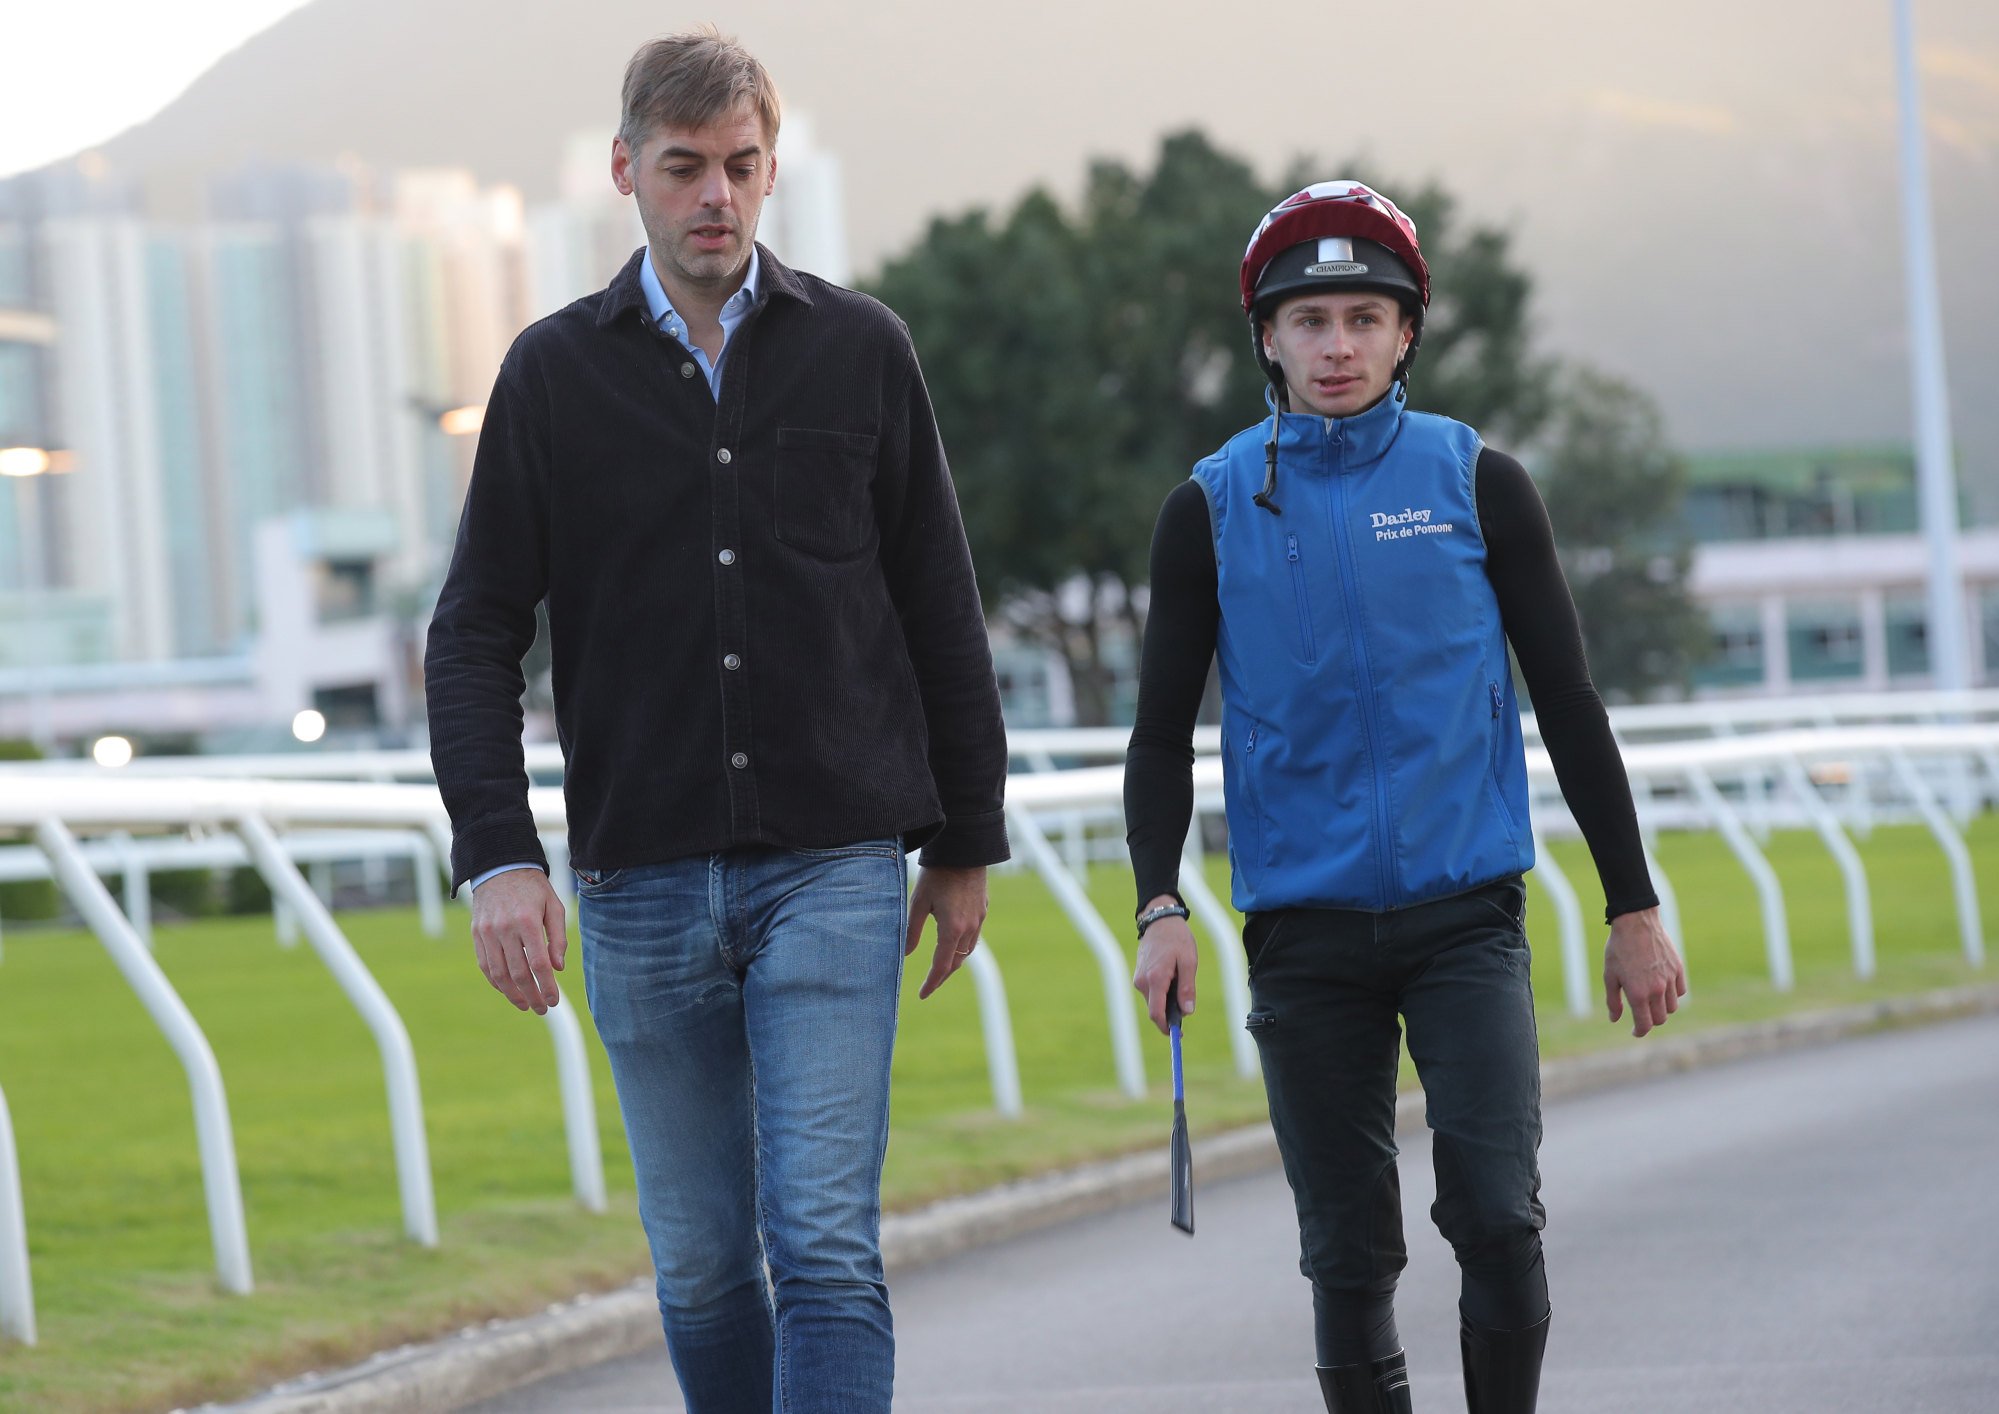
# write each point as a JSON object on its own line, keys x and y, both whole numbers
{"x": 1260, "y": 1023}
{"x": 825, "y": 496}
{"x": 860, "y": 849}
{"x": 592, "y": 881}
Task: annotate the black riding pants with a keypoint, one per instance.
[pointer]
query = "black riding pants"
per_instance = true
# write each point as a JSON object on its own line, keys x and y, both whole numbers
{"x": 1327, "y": 987}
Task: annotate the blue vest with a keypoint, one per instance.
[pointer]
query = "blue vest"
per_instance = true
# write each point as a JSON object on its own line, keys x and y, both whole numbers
{"x": 1373, "y": 756}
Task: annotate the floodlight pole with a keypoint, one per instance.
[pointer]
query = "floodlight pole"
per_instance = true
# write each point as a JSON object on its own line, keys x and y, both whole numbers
{"x": 1936, "y": 476}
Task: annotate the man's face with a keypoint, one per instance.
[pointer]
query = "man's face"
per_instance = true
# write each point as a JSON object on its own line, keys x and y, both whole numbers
{"x": 1338, "y": 351}
{"x": 699, "y": 192}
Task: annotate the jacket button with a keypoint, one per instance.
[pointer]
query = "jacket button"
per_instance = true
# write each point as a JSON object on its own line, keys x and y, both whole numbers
{"x": 727, "y": 557}
{"x": 686, "y": 370}
{"x": 739, "y": 761}
{"x": 732, "y": 662}
{"x": 723, "y": 456}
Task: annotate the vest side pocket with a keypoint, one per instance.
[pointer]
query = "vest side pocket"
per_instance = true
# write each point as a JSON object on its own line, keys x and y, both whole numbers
{"x": 1250, "y": 850}
{"x": 1492, "y": 767}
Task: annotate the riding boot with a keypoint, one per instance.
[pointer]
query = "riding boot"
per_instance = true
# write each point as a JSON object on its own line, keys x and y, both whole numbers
{"x": 1378, "y": 1387}
{"x": 1502, "y": 1368}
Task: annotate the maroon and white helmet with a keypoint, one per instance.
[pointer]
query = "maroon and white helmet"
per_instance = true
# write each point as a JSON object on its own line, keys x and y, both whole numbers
{"x": 1332, "y": 211}
{"x": 1339, "y": 235}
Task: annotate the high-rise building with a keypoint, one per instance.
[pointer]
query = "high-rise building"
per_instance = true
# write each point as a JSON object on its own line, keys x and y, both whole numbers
{"x": 258, "y": 393}
{"x": 575, "y": 244}
{"x": 292, "y": 353}
{"x": 805, "y": 221}
{"x": 110, "y": 514}
{"x": 192, "y": 493}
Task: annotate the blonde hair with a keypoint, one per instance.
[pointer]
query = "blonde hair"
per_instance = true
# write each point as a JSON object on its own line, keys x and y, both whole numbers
{"x": 689, "y": 80}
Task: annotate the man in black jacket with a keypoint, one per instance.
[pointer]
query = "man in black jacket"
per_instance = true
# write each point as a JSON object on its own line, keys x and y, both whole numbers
{"x": 771, "y": 676}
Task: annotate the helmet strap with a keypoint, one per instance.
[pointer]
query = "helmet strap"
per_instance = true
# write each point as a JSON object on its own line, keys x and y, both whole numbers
{"x": 1262, "y": 498}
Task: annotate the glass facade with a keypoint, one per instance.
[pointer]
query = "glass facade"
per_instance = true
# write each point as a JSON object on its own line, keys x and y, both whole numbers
{"x": 1908, "y": 633}
{"x": 262, "y": 421}
{"x": 1737, "y": 656}
{"x": 183, "y": 489}
{"x": 1026, "y": 694}
{"x": 1825, "y": 639}
{"x": 1988, "y": 629}
{"x": 20, "y": 396}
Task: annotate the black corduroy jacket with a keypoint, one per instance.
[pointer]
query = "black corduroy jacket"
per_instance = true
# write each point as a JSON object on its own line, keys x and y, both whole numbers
{"x": 761, "y": 607}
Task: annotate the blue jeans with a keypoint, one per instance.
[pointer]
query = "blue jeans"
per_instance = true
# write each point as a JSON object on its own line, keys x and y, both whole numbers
{"x": 748, "y": 1003}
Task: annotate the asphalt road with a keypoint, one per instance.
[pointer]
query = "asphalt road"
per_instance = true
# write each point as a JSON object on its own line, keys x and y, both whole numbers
{"x": 1804, "y": 1234}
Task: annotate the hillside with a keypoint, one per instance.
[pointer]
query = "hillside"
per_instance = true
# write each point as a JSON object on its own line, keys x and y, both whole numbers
{"x": 1706, "y": 192}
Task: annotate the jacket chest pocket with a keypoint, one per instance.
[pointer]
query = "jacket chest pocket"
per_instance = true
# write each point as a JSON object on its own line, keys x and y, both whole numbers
{"x": 824, "y": 503}
{"x": 1308, "y": 642}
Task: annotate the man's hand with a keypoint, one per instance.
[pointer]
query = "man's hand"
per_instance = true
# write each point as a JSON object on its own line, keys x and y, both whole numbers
{"x": 956, "y": 898}
{"x": 521, "y": 936}
{"x": 1166, "y": 959}
{"x": 1640, "y": 961}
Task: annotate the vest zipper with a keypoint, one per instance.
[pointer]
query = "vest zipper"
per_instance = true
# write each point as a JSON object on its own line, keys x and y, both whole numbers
{"x": 1306, "y": 643}
{"x": 1363, "y": 676}
{"x": 1251, "y": 795}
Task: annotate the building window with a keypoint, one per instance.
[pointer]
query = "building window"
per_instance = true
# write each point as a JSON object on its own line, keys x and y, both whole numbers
{"x": 1907, "y": 616}
{"x": 1735, "y": 648}
{"x": 1825, "y": 639}
{"x": 349, "y": 709}
{"x": 1025, "y": 699}
{"x": 1988, "y": 628}
{"x": 346, "y": 590}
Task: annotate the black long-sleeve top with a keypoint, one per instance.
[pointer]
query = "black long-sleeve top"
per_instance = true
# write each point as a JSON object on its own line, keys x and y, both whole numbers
{"x": 761, "y": 605}
{"x": 1540, "y": 621}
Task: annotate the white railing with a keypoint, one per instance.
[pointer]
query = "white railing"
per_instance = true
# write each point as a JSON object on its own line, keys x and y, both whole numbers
{"x": 50, "y": 805}
{"x": 1935, "y": 773}
{"x": 1673, "y": 781}
{"x": 135, "y": 859}
{"x": 17, "y": 1295}
{"x": 214, "y": 1138}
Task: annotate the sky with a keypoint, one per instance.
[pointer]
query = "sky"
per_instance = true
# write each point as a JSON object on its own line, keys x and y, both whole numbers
{"x": 64, "y": 87}
{"x": 1640, "y": 159}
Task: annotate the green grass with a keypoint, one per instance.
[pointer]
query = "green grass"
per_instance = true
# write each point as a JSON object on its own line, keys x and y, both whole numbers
{"x": 131, "y": 1317}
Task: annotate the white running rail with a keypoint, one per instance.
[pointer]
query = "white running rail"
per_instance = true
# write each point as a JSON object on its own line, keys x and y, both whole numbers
{"x": 17, "y": 1294}
{"x": 214, "y": 1138}
{"x": 1679, "y": 784}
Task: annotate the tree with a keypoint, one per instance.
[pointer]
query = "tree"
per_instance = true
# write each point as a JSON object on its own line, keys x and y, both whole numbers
{"x": 1081, "y": 362}
{"x": 1614, "y": 489}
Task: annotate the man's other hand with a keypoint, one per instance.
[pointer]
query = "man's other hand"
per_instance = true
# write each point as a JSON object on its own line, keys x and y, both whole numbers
{"x": 1166, "y": 960}
{"x": 522, "y": 936}
{"x": 1640, "y": 962}
{"x": 956, "y": 898}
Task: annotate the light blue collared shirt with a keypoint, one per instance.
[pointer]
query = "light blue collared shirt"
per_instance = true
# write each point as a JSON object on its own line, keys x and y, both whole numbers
{"x": 734, "y": 311}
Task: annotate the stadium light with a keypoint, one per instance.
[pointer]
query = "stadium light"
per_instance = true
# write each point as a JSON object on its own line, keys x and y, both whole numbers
{"x": 462, "y": 422}
{"x": 23, "y": 462}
